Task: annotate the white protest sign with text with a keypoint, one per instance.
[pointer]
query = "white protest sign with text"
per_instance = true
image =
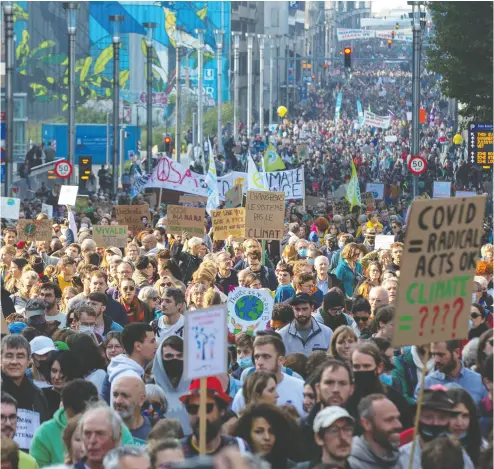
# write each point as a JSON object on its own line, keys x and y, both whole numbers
{"x": 10, "y": 207}
{"x": 68, "y": 195}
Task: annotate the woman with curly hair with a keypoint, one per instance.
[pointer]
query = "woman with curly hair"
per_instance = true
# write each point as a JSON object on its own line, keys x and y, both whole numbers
{"x": 322, "y": 228}
{"x": 270, "y": 433}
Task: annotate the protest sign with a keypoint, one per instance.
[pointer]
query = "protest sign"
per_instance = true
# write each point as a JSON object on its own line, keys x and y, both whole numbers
{"x": 110, "y": 235}
{"x": 10, "y": 207}
{"x": 68, "y": 195}
{"x": 265, "y": 215}
{"x": 82, "y": 203}
{"x": 367, "y": 199}
{"x": 383, "y": 241}
{"x": 205, "y": 334}
{"x": 34, "y": 230}
{"x": 135, "y": 217}
{"x": 189, "y": 219}
{"x": 465, "y": 194}
{"x": 442, "y": 244}
{"x": 234, "y": 197}
{"x": 441, "y": 190}
{"x": 390, "y": 138}
{"x": 47, "y": 209}
{"x": 228, "y": 222}
{"x": 28, "y": 421}
{"x": 376, "y": 189}
{"x": 192, "y": 199}
{"x": 249, "y": 310}
{"x": 373, "y": 120}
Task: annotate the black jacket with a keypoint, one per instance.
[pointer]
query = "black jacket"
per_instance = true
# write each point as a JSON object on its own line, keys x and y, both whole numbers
{"x": 228, "y": 283}
{"x": 188, "y": 263}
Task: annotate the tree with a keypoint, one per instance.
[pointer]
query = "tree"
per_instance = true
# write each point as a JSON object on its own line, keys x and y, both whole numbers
{"x": 461, "y": 52}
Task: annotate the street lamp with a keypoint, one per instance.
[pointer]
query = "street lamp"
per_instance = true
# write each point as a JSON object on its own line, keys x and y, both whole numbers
{"x": 278, "y": 89}
{"x": 178, "y": 93}
{"x": 250, "y": 46}
{"x": 271, "y": 79}
{"x": 236, "y": 46}
{"x": 200, "y": 71}
{"x": 261, "y": 38}
{"x": 116, "y": 20}
{"x": 7, "y": 177}
{"x": 218, "y": 37}
{"x": 149, "y": 96}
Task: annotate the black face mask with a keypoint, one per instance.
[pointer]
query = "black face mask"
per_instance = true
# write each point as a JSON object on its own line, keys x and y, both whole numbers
{"x": 173, "y": 368}
{"x": 366, "y": 382}
{"x": 431, "y": 432}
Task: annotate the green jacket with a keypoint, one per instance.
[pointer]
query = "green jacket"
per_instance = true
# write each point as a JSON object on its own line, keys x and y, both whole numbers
{"x": 47, "y": 446}
{"x": 405, "y": 374}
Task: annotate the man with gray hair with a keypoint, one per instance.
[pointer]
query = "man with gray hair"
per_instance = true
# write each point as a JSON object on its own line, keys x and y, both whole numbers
{"x": 101, "y": 430}
{"x": 127, "y": 457}
{"x": 188, "y": 261}
{"x": 378, "y": 296}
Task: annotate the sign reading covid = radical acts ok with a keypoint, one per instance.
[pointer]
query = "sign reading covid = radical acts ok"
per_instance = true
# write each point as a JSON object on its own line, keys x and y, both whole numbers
{"x": 441, "y": 249}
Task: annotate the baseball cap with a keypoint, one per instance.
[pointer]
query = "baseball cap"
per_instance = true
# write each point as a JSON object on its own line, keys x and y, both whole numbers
{"x": 41, "y": 345}
{"x": 35, "y": 307}
{"x": 329, "y": 415}
{"x": 333, "y": 299}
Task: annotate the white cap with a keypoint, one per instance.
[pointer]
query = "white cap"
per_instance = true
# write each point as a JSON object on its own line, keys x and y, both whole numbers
{"x": 41, "y": 345}
{"x": 329, "y": 415}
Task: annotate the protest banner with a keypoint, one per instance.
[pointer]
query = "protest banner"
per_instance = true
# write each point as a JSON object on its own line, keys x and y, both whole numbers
{"x": 373, "y": 120}
{"x": 441, "y": 190}
{"x": 34, "y": 230}
{"x": 265, "y": 215}
{"x": 28, "y": 421}
{"x": 68, "y": 195}
{"x": 442, "y": 244}
{"x": 135, "y": 217}
{"x": 229, "y": 222}
{"x": 205, "y": 334}
{"x": 234, "y": 197}
{"x": 110, "y": 235}
{"x": 82, "y": 203}
{"x": 47, "y": 210}
{"x": 383, "y": 241}
{"x": 10, "y": 207}
{"x": 192, "y": 199}
{"x": 189, "y": 219}
{"x": 291, "y": 182}
{"x": 249, "y": 310}
{"x": 376, "y": 189}
{"x": 346, "y": 34}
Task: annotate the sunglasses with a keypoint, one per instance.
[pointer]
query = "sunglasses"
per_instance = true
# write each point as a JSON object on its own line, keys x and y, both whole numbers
{"x": 155, "y": 406}
{"x": 475, "y": 315}
{"x": 359, "y": 319}
{"x": 193, "y": 409}
{"x": 128, "y": 288}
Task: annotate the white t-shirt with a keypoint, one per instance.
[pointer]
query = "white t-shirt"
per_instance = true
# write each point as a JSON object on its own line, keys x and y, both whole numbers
{"x": 166, "y": 331}
{"x": 290, "y": 392}
{"x": 60, "y": 317}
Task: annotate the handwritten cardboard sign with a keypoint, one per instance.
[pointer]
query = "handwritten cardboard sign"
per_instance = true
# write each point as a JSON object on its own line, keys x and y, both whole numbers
{"x": 110, "y": 235}
{"x": 34, "y": 230}
{"x": 435, "y": 291}
{"x": 192, "y": 199}
{"x": 228, "y": 222}
{"x": 135, "y": 217}
{"x": 189, "y": 219}
{"x": 234, "y": 197}
{"x": 265, "y": 215}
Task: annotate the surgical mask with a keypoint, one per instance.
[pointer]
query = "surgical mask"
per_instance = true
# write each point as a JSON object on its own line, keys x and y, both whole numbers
{"x": 431, "y": 432}
{"x": 84, "y": 225}
{"x": 245, "y": 362}
{"x": 340, "y": 244}
{"x": 310, "y": 260}
{"x": 303, "y": 252}
{"x": 386, "y": 379}
{"x": 86, "y": 329}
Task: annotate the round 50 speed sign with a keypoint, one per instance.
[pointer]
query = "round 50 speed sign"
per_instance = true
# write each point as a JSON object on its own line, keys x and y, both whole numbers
{"x": 63, "y": 169}
{"x": 417, "y": 165}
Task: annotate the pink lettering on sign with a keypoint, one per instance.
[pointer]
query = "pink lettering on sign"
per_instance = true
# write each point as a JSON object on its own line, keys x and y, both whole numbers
{"x": 167, "y": 172}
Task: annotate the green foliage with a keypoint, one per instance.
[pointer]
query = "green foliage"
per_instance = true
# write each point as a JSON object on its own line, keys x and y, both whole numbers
{"x": 211, "y": 118}
{"x": 461, "y": 52}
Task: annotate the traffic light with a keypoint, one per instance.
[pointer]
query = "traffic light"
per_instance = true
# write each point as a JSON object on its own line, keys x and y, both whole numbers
{"x": 348, "y": 57}
{"x": 85, "y": 168}
{"x": 397, "y": 26}
{"x": 325, "y": 65}
{"x": 168, "y": 144}
{"x": 392, "y": 34}
{"x": 389, "y": 43}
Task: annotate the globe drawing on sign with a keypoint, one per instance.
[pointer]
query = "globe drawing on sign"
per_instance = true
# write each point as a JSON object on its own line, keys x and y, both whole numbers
{"x": 249, "y": 308}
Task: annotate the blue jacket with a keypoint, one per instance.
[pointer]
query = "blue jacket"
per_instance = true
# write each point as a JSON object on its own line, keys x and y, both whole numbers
{"x": 346, "y": 275}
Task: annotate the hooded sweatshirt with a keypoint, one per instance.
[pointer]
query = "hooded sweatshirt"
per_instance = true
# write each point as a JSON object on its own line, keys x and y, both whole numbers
{"x": 122, "y": 365}
{"x": 47, "y": 446}
{"x": 175, "y": 408}
{"x": 364, "y": 458}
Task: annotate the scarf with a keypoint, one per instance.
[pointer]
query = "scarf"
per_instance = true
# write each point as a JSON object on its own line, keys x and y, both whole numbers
{"x": 134, "y": 309}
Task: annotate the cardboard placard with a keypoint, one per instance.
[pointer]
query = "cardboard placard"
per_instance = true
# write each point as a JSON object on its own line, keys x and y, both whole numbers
{"x": 135, "y": 217}
{"x": 435, "y": 291}
{"x": 34, "y": 230}
{"x": 110, "y": 235}
{"x": 10, "y": 207}
{"x": 234, "y": 197}
{"x": 192, "y": 199}
{"x": 265, "y": 215}
{"x": 229, "y": 222}
{"x": 189, "y": 219}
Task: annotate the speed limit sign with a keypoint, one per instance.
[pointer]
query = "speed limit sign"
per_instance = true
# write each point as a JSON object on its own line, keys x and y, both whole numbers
{"x": 63, "y": 169}
{"x": 417, "y": 165}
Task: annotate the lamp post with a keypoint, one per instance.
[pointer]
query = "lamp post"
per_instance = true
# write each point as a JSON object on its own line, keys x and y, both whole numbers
{"x": 218, "y": 37}
{"x": 178, "y": 93}
{"x": 236, "y": 46}
{"x": 278, "y": 89}
{"x": 149, "y": 95}
{"x": 8, "y": 12}
{"x": 250, "y": 46}
{"x": 271, "y": 63}
{"x": 116, "y": 20}
{"x": 261, "y": 38}
{"x": 200, "y": 71}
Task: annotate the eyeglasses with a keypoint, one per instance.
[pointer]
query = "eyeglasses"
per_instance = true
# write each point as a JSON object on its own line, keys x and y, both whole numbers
{"x": 128, "y": 288}
{"x": 192, "y": 409}
{"x": 114, "y": 347}
{"x": 12, "y": 418}
{"x": 336, "y": 431}
{"x": 475, "y": 315}
{"x": 359, "y": 319}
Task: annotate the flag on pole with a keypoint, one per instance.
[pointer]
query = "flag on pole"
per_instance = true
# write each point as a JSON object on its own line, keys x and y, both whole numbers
{"x": 339, "y": 100}
{"x": 255, "y": 181}
{"x": 212, "y": 183}
{"x": 353, "y": 189}
{"x": 272, "y": 161}
{"x": 360, "y": 112}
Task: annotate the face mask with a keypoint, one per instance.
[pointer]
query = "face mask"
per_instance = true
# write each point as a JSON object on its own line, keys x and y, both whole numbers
{"x": 84, "y": 225}
{"x": 340, "y": 245}
{"x": 44, "y": 367}
{"x": 174, "y": 367}
{"x": 431, "y": 432}
{"x": 386, "y": 379}
{"x": 365, "y": 379}
{"x": 310, "y": 260}
{"x": 86, "y": 329}
{"x": 245, "y": 362}
{"x": 303, "y": 252}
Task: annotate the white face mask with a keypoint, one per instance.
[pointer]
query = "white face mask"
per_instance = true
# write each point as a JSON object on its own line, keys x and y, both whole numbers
{"x": 86, "y": 329}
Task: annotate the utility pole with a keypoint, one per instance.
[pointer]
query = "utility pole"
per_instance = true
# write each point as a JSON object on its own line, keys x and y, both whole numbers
{"x": 250, "y": 46}
{"x": 178, "y": 92}
{"x": 218, "y": 34}
{"x": 261, "y": 38}
{"x": 271, "y": 79}
{"x": 236, "y": 46}
{"x": 200, "y": 71}
{"x": 278, "y": 78}
{"x": 149, "y": 97}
